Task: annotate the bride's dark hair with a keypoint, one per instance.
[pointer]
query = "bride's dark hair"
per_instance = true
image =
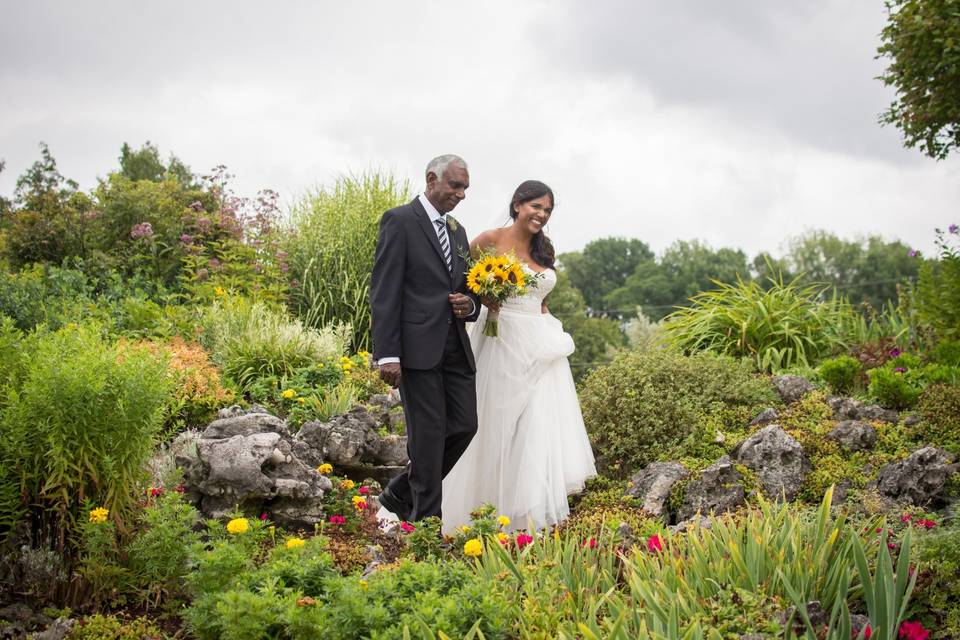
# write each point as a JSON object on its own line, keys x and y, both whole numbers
{"x": 541, "y": 249}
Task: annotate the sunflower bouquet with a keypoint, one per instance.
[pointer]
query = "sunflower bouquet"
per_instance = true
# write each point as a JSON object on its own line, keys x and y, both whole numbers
{"x": 497, "y": 277}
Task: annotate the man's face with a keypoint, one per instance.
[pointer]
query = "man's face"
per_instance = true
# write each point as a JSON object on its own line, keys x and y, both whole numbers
{"x": 446, "y": 192}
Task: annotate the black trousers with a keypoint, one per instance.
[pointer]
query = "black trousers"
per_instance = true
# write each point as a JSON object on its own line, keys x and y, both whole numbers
{"x": 440, "y": 408}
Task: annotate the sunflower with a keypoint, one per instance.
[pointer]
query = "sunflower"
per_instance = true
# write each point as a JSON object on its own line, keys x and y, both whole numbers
{"x": 472, "y": 280}
{"x": 499, "y": 275}
{"x": 516, "y": 275}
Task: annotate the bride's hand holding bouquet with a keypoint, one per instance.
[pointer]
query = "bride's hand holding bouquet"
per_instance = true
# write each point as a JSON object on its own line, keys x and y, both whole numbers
{"x": 497, "y": 278}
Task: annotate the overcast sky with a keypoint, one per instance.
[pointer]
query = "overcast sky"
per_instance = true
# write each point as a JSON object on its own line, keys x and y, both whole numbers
{"x": 737, "y": 123}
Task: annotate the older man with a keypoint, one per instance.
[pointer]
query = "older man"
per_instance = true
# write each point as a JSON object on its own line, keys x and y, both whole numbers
{"x": 419, "y": 302}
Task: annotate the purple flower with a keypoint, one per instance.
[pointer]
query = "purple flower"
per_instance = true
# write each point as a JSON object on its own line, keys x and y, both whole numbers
{"x": 284, "y": 267}
{"x": 202, "y": 274}
{"x": 186, "y": 238}
{"x": 953, "y": 228}
{"x": 899, "y": 370}
{"x": 913, "y": 253}
{"x": 214, "y": 263}
{"x": 142, "y": 230}
{"x": 895, "y": 352}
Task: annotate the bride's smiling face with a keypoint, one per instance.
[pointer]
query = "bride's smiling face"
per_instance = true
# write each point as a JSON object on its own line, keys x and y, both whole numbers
{"x": 533, "y": 215}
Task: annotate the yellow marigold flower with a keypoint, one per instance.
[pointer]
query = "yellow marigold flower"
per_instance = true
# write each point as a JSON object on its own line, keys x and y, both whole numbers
{"x": 302, "y": 400}
{"x": 364, "y": 585}
{"x": 360, "y": 504}
{"x": 465, "y": 528}
{"x": 288, "y": 393}
{"x": 503, "y": 538}
{"x": 238, "y": 525}
{"x": 473, "y": 548}
{"x": 357, "y": 499}
{"x": 295, "y": 543}
{"x": 220, "y": 291}
{"x": 320, "y": 366}
{"x": 99, "y": 515}
{"x": 348, "y": 484}
{"x": 344, "y": 359}
{"x": 325, "y": 469}
{"x": 347, "y": 366}
{"x": 503, "y": 521}
{"x": 363, "y": 354}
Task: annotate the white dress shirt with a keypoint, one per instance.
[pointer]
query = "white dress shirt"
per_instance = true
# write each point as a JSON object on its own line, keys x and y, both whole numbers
{"x": 434, "y": 216}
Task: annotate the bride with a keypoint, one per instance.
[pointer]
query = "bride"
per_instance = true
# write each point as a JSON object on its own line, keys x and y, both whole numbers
{"x": 531, "y": 449}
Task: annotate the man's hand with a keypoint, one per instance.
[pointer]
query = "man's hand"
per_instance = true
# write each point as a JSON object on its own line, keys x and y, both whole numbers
{"x": 390, "y": 373}
{"x": 462, "y": 305}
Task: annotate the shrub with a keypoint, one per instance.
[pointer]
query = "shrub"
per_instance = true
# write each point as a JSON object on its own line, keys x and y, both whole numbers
{"x": 948, "y": 353}
{"x": 892, "y": 389}
{"x": 938, "y": 591}
{"x": 642, "y": 404}
{"x": 250, "y": 340}
{"x": 44, "y": 295}
{"x": 82, "y": 425}
{"x": 936, "y": 297}
{"x": 114, "y": 627}
{"x": 939, "y": 426}
{"x": 777, "y": 328}
{"x": 332, "y": 246}
{"x": 840, "y": 373}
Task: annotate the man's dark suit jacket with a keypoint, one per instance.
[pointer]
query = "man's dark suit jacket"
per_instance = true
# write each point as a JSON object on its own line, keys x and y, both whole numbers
{"x": 409, "y": 287}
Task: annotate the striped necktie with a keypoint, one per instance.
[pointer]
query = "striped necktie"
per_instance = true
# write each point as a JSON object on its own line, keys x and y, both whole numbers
{"x": 444, "y": 242}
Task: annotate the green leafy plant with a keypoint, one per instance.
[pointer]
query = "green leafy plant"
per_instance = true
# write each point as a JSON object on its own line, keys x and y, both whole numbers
{"x": 644, "y": 403}
{"x": 778, "y": 327}
{"x": 893, "y": 389}
{"x": 81, "y": 426}
{"x": 841, "y": 373}
{"x": 114, "y": 627}
{"x": 251, "y": 340}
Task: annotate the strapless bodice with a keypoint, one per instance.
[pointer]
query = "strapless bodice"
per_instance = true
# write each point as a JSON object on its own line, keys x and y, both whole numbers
{"x": 531, "y": 301}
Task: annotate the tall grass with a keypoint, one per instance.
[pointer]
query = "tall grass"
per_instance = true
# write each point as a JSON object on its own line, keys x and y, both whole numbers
{"x": 331, "y": 249}
{"x": 785, "y": 326}
{"x": 251, "y": 340}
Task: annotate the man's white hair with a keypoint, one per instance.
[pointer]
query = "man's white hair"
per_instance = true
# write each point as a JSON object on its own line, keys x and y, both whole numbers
{"x": 439, "y": 164}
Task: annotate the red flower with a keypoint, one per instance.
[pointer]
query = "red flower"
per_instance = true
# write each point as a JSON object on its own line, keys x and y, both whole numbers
{"x": 913, "y": 631}
{"x": 590, "y": 543}
{"x": 905, "y": 517}
{"x": 155, "y": 491}
{"x": 891, "y": 545}
{"x": 654, "y": 544}
{"x": 180, "y": 488}
{"x": 406, "y": 527}
{"x": 263, "y": 516}
{"x": 523, "y": 540}
{"x": 927, "y": 524}
{"x": 364, "y": 490}
{"x": 867, "y": 632}
{"x": 337, "y": 520}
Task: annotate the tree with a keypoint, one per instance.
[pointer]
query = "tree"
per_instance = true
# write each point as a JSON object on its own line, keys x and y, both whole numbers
{"x": 922, "y": 41}
{"x": 685, "y": 269}
{"x": 604, "y": 265}
{"x": 145, "y": 164}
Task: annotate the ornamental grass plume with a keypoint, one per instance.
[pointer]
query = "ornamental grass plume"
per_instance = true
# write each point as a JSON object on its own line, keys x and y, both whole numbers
{"x": 238, "y": 526}
{"x": 295, "y": 543}
{"x": 473, "y": 548}
{"x": 99, "y": 515}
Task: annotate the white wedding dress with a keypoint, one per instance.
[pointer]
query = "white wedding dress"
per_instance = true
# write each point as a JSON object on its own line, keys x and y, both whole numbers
{"x": 531, "y": 449}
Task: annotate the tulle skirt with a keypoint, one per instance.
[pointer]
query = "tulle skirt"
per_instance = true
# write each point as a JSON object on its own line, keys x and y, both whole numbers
{"x": 531, "y": 448}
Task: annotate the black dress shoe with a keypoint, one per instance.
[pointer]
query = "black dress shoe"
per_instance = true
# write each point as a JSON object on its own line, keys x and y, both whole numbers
{"x": 391, "y": 503}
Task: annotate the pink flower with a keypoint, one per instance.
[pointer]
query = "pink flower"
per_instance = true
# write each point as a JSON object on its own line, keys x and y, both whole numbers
{"x": 913, "y": 631}
{"x": 895, "y": 352}
{"x": 899, "y": 370}
{"x": 654, "y": 544}
{"x": 523, "y": 540}
{"x": 867, "y": 632}
{"x": 337, "y": 520}
{"x": 364, "y": 490}
{"x": 155, "y": 491}
{"x": 891, "y": 545}
{"x": 926, "y": 524}
{"x": 906, "y": 517}
{"x": 263, "y": 516}
{"x": 590, "y": 543}
{"x": 406, "y": 527}
{"x": 142, "y": 230}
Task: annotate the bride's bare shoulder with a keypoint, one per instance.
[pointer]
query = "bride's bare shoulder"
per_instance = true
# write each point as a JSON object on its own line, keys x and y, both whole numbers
{"x": 486, "y": 238}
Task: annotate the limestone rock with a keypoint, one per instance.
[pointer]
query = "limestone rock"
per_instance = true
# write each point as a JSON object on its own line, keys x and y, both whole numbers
{"x": 792, "y": 388}
{"x": 777, "y": 458}
{"x": 717, "y": 489}
{"x": 854, "y": 435}
{"x": 919, "y": 479}
{"x": 652, "y": 484}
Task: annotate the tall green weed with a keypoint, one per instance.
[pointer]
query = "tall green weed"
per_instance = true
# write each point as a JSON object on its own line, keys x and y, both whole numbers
{"x": 331, "y": 249}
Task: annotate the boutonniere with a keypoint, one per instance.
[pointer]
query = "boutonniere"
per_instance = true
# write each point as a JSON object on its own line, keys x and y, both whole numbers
{"x": 452, "y": 223}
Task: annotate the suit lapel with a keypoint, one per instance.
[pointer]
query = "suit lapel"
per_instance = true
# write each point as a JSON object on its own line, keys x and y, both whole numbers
{"x": 428, "y": 229}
